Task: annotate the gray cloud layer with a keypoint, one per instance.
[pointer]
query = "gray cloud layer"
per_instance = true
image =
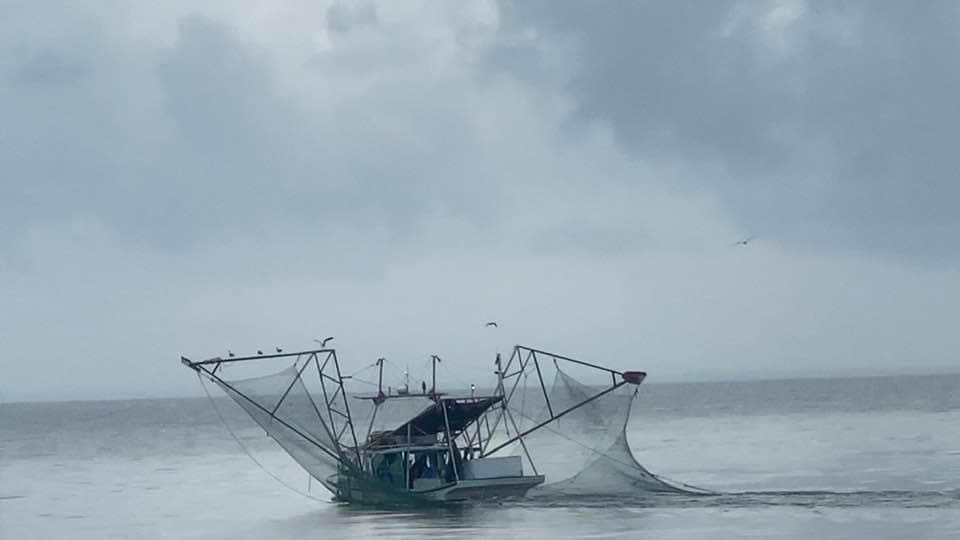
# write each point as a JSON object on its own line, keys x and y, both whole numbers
{"x": 181, "y": 180}
{"x": 834, "y": 122}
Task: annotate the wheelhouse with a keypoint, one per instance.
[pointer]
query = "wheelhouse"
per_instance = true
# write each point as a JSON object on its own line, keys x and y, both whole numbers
{"x": 423, "y": 453}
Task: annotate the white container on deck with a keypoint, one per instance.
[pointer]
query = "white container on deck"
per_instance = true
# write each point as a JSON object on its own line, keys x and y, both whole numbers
{"x": 494, "y": 467}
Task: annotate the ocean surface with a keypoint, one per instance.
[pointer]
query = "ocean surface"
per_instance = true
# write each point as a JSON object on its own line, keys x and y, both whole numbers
{"x": 816, "y": 458}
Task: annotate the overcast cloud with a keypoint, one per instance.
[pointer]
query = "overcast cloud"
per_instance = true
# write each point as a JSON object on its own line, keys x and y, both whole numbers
{"x": 182, "y": 179}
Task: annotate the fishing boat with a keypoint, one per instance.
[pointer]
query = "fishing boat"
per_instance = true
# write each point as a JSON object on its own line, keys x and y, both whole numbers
{"x": 403, "y": 445}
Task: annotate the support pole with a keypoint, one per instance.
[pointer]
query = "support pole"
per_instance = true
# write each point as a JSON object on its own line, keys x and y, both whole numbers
{"x": 433, "y": 387}
{"x": 542, "y": 386}
{"x": 503, "y": 390}
{"x": 522, "y": 443}
{"x": 380, "y": 378}
{"x": 453, "y": 457}
{"x": 406, "y": 462}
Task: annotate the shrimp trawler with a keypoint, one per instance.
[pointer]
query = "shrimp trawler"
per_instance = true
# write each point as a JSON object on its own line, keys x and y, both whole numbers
{"x": 402, "y": 445}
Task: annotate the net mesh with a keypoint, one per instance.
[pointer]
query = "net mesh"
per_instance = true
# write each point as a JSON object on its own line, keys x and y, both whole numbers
{"x": 585, "y": 451}
{"x": 297, "y": 425}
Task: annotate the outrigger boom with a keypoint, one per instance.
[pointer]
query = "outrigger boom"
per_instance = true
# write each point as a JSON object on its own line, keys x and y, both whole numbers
{"x": 447, "y": 448}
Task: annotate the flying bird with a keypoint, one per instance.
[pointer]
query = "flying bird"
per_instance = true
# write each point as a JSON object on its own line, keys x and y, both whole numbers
{"x": 745, "y": 241}
{"x": 493, "y": 324}
{"x": 324, "y": 342}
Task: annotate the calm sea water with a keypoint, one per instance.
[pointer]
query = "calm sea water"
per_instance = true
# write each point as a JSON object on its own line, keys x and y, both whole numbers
{"x": 832, "y": 458}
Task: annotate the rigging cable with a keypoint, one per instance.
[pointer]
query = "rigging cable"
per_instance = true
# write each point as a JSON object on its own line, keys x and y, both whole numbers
{"x": 523, "y": 400}
{"x": 247, "y": 451}
{"x": 361, "y": 370}
{"x": 362, "y": 381}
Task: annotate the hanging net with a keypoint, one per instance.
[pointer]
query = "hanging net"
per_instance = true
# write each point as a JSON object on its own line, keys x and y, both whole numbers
{"x": 297, "y": 424}
{"x": 312, "y": 418}
{"x": 585, "y": 451}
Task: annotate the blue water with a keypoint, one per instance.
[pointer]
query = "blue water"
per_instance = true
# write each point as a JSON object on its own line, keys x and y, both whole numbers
{"x": 830, "y": 458}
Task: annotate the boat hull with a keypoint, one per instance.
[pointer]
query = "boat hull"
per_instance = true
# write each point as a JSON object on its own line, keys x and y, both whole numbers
{"x": 462, "y": 490}
{"x": 483, "y": 488}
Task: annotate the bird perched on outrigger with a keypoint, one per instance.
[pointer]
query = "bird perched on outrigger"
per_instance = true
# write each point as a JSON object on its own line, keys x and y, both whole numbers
{"x": 434, "y": 446}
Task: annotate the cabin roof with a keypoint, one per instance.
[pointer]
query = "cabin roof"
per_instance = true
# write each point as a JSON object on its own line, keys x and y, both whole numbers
{"x": 460, "y": 413}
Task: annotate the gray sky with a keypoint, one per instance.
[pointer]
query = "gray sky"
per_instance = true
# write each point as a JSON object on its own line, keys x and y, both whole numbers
{"x": 183, "y": 178}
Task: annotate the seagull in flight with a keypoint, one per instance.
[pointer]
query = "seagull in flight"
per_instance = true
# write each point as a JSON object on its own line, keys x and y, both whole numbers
{"x": 324, "y": 342}
{"x": 493, "y": 324}
{"x": 745, "y": 241}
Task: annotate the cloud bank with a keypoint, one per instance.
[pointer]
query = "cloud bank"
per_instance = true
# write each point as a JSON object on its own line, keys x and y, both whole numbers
{"x": 176, "y": 179}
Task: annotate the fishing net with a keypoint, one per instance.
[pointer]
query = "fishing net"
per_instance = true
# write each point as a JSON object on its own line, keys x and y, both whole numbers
{"x": 315, "y": 421}
{"x": 585, "y": 451}
{"x": 282, "y": 406}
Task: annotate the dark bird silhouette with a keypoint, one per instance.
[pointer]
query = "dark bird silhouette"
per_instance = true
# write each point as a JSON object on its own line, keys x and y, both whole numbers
{"x": 259, "y": 352}
{"x": 230, "y": 353}
{"x": 324, "y": 342}
{"x": 279, "y": 350}
{"x": 745, "y": 241}
{"x": 493, "y": 324}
